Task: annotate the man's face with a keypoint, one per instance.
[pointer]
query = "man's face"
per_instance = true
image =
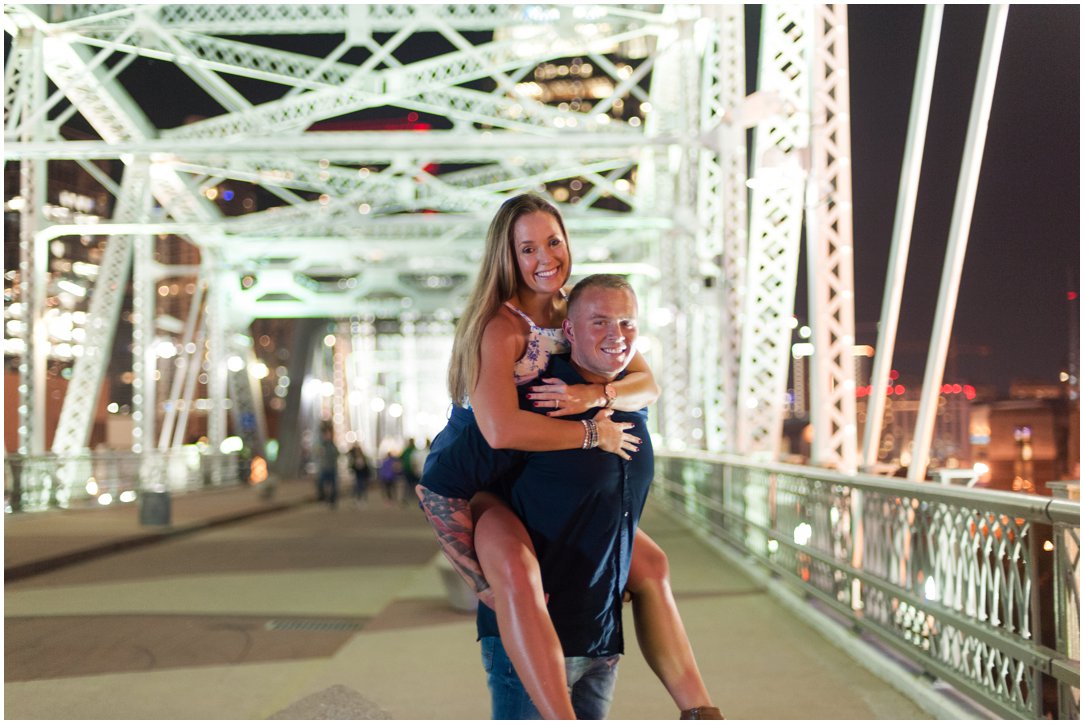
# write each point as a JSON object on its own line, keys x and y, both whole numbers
{"x": 601, "y": 328}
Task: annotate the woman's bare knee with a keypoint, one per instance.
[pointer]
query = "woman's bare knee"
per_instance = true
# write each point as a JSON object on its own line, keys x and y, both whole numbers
{"x": 650, "y": 567}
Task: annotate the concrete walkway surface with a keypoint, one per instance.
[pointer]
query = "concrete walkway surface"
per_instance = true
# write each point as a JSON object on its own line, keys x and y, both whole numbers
{"x": 247, "y": 608}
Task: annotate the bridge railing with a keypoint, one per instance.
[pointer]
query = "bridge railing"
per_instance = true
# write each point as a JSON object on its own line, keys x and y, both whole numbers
{"x": 980, "y": 588}
{"x": 42, "y": 482}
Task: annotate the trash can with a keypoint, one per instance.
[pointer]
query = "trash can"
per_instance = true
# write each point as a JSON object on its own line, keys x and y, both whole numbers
{"x": 154, "y": 507}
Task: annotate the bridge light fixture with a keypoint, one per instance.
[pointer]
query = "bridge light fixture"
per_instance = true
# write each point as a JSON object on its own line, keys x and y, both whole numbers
{"x": 802, "y": 533}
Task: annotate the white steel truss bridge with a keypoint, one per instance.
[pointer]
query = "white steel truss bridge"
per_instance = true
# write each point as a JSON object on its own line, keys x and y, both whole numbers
{"x": 182, "y": 172}
{"x": 374, "y": 141}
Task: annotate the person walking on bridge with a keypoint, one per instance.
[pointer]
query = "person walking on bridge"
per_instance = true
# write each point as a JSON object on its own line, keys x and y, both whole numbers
{"x": 327, "y": 475}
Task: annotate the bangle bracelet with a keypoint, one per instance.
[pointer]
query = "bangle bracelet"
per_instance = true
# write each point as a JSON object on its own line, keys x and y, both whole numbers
{"x": 590, "y": 434}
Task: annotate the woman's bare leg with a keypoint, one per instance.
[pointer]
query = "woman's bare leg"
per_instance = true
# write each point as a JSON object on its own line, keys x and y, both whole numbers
{"x": 510, "y": 565}
{"x": 659, "y": 629}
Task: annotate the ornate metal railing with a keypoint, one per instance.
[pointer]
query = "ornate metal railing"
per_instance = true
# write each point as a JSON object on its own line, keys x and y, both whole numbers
{"x": 43, "y": 482}
{"x": 980, "y": 588}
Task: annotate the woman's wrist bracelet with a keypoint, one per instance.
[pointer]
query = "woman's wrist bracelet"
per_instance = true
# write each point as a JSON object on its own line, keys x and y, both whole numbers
{"x": 590, "y": 434}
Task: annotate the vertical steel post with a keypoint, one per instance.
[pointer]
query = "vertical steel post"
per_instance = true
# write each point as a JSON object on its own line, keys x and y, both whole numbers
{"x": 183, "y": 362}
{"x": 722, "y": 211}
{"x": 33, "y": 255}
{"x": 217, "y": 356}
{"x": 144, "y": 356}
{"x": 901, "y": 233}
{"x": 780, "y": 159}
{"x": 830, "y": 244}
{"x": 957, "y": 241}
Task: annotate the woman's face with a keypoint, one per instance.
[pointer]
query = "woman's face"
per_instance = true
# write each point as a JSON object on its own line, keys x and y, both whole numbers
{"x": 541, "y": 252}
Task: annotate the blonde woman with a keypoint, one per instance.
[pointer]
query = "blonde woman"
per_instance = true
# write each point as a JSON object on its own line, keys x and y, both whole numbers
{"x": 511, "y": 327}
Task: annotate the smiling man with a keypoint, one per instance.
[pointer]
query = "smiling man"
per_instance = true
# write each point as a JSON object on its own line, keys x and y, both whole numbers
{"x": 581, "y": 509}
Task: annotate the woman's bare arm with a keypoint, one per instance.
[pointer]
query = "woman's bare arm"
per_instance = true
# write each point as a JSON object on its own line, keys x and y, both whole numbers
{"x": 637, "y": 389}
{"x": 496, "y": 403}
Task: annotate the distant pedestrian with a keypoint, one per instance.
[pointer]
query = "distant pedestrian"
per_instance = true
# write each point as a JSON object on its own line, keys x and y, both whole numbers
{"x": 410, "y": 471}
{"x": 389, "y": 474}
{"x": 362, "y": 472}
{"x": 327, "y": 472}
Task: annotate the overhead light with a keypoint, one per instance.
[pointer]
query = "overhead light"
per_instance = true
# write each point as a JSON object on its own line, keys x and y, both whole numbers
{"x": 258, "y": 370}
{"x": 165, "y": 349}
{"x": 72, "y": 288}
{"x": 84, "y": 269}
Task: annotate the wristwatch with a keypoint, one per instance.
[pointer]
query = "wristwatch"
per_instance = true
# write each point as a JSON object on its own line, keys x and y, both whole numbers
{"x": 611, "y": 394}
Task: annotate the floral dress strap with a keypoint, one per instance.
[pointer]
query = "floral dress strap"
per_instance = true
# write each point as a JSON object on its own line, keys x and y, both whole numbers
{"x": 542, "y": 343}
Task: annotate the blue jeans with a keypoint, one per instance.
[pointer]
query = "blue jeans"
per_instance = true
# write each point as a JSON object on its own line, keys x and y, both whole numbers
{"x": 590, "y": 683}
{"x": 327, "y": 487}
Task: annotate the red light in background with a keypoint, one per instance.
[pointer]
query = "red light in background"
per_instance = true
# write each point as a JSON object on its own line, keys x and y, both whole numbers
{"x": 1071, "y": 296}
{"x": 969, "y": 392}
{"x": 900, "y": 389}
{"x": 412, "y": 117}
{"x": 957, "y": 389}
{"x": 894, "y": 375}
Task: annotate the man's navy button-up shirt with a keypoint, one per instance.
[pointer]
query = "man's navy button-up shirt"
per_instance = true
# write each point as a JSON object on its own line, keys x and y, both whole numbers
{"x": 581, "y": 509}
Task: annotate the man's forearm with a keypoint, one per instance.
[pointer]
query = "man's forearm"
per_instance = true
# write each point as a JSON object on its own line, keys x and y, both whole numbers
{"x": 452, "y": 521}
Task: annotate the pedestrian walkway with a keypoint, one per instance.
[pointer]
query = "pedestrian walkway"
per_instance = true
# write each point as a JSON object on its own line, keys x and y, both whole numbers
{"x": 295, "y": 611}
{"x": 37, "y": 542}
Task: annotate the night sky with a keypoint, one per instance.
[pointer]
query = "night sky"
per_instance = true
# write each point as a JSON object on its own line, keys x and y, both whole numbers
{"x": 1014, "y": 316}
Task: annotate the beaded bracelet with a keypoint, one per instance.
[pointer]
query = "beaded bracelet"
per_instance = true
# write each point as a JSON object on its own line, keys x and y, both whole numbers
{"x": 590, "y": 434}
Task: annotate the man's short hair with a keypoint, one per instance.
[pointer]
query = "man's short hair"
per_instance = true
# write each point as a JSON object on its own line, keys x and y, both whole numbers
{"x": 600, "y": 281}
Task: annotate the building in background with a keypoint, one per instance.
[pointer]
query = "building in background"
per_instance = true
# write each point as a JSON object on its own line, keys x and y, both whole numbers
{"x": 1030, "y": 439}
{"x": 72, "y": 196}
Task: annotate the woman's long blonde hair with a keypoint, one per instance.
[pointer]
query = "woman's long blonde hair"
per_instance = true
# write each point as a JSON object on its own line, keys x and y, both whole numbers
{"x": 497, "y": 282}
